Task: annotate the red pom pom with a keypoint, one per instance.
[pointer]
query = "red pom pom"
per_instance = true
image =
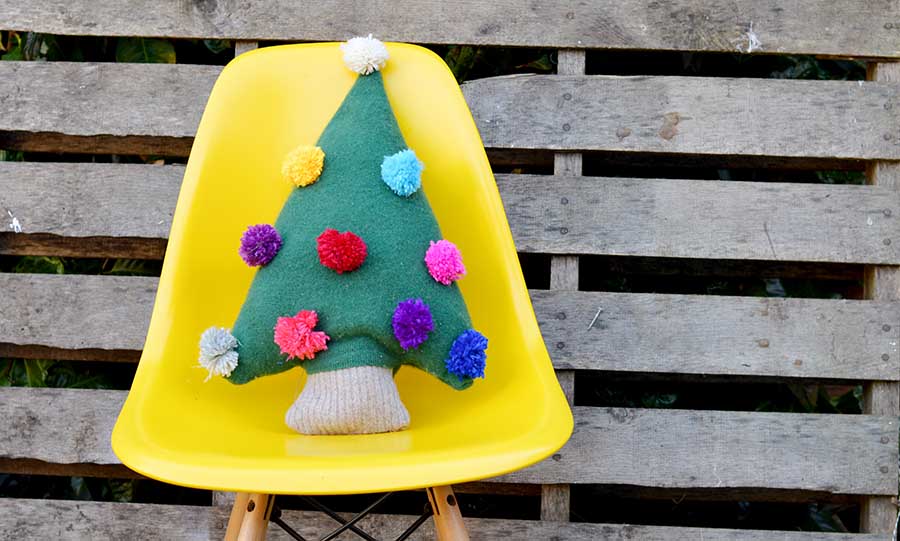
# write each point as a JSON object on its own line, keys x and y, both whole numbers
{"x": 341, "y": 252}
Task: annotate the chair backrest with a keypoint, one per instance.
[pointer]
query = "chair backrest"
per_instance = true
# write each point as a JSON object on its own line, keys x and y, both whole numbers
{"x": 590, "y": 220}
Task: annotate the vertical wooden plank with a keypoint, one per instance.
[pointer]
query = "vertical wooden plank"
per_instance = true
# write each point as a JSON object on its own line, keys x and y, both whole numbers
{"x": 241, "y": 47}
{"x": 556, "y": 499}
{"x": 879, "y": 514}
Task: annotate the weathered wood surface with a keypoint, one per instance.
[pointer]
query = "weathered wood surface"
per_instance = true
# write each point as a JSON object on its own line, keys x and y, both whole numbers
{"x": 103, "y": 108}
{"x": 702, "y": 219}
{"x": 126, "y": 210}
{"x": 155, "y": 108}
{"x": 848, "y": 28}
{"x": 882, "y": 283}
{"x": 60, "y": 426}
{"x": 811, "y": 338}
{"x": 102, "y": 521}
{"x": 766, "y": 117}
{"x": 720, "y": 335}
{"x": 660, "y": 448}
{"x": 54, "y": 201}
{"x": 102, "y": 317}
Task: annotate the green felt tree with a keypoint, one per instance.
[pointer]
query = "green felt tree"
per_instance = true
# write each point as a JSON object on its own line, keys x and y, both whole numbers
{"x": 391, "y": 310}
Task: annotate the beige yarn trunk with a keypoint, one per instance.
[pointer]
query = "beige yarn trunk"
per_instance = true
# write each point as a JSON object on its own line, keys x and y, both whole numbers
{"x": 358, "y": 400}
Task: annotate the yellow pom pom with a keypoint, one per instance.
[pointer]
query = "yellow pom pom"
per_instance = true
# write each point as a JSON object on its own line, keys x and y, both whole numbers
{"x": 303, "y": 165}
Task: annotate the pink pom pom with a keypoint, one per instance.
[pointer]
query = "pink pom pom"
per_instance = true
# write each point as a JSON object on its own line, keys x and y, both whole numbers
{"x": 444, "y": 262}
{"x": 296, "y": 337}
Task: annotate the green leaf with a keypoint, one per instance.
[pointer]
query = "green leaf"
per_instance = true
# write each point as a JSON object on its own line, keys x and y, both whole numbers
{"x": 216, "y": 46}
{"x": 133, "y": 267}
{"x": 145, "y": 50}
{"x": 40, "y": 265}
{"x": 461, "y": 59}
{"x": 36, "y": 372}
{"x": 80, "y": 489}
{"x": 122, "y": 490}
{"x": 540, "y": 65}
{"x": 15, "y": 49}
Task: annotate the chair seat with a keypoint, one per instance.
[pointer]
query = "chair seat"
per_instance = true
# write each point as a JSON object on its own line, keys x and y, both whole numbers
{"x": 177, "y": 428}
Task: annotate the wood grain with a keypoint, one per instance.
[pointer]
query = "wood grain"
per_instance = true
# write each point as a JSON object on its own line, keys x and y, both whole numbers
{"x": 556, "y": 498}
{"x": 102, "y": 521}
{"x": 660, "y": 448}
{"x": 72, "y": 107}
{"x": 75, "y": 312}
{"x": 86, "y": 107}
{"x": 740, "y": 336}
{"x": 714, "y": 449}
{"x": 695, "y": 115}
{"x": 720, "y": 335}
{"x": 882, "y": 283}
{"x": 112, "y": 210}
{"x": 702, "y": 219}
{"x": 848, "y": 28}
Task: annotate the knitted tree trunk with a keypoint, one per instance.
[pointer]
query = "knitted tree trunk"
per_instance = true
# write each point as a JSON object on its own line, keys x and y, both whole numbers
{"x": 358, "y": 400}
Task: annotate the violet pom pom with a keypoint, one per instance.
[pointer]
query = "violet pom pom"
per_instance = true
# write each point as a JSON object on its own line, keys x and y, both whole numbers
{"x": 467, "y": 356}
{"x": 412, "y": 322}
{"x": 259, "y": 244}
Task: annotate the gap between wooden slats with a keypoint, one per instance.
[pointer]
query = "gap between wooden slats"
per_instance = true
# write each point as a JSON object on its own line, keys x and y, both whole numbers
{"x": 556, "y": 499}
{"x": 880, "y": 514}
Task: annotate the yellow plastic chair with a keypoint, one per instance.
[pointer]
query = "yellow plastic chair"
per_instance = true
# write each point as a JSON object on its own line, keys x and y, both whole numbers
{"x": 215, "y": 435}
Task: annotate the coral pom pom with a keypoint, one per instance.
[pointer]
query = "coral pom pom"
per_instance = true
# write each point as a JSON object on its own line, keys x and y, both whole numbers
{"x": 303, "y": 165}
{"x": 412, "y": 322}
{"x": 217, "y": 352}
{"x": 296, "y": 337}
{"x": 340, "y": 252}
{"x": 444, "y": 262}
{"x": 402, "y": 172}
{"x": 259, "y": 245}
{"x": 364, "y": 54}
{"x": 467, "y": 357}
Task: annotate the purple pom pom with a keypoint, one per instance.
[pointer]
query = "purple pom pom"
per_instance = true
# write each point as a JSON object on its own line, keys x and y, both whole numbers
{"x": 467, "y": 357}
{"x": 412, "y": 322}
{"x": 259, "y": 244}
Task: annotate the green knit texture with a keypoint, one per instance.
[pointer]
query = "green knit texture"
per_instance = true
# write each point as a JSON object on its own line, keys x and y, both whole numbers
{"x": 355, "y": 308}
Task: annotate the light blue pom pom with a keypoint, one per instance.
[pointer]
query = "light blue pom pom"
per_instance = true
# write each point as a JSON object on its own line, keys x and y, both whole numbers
{"x": 402, "y": 172}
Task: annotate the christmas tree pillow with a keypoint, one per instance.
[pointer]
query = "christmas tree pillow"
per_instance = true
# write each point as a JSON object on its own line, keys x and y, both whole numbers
{"x": 354, "y": 278}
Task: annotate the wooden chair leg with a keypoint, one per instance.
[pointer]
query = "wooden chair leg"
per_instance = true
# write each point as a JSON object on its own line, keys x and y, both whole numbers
{"x": 448, "y": 521}
{"x": 249, "y": 517}
{"x": 237, "y": 516}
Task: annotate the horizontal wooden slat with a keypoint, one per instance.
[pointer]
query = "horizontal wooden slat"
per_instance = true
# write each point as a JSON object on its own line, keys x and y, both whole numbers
{"x": 102, "y": 108}
{"x": 814, "y": 338}
{"x": 102, "y": 521}
{"x": 715, "y": 449}
{"x": 848, "y": 28}
{"x": 702, "y": 219}
{"x": 661, "y": 448}
{"x": 694, "y": 115}
{"x": 112, "y": 209}
{"x": 102, "y": 316}
{"x": 84, "y": 107}
{"x": 720, "y": 335}
{"x": 125, "y": 211}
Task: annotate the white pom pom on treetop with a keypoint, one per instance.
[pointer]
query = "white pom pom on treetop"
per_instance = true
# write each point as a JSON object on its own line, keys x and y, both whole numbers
{"x": 364, "y": 54}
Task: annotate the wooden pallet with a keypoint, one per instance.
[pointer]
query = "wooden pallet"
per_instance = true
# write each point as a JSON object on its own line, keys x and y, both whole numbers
{"x": 116, "y": 210}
